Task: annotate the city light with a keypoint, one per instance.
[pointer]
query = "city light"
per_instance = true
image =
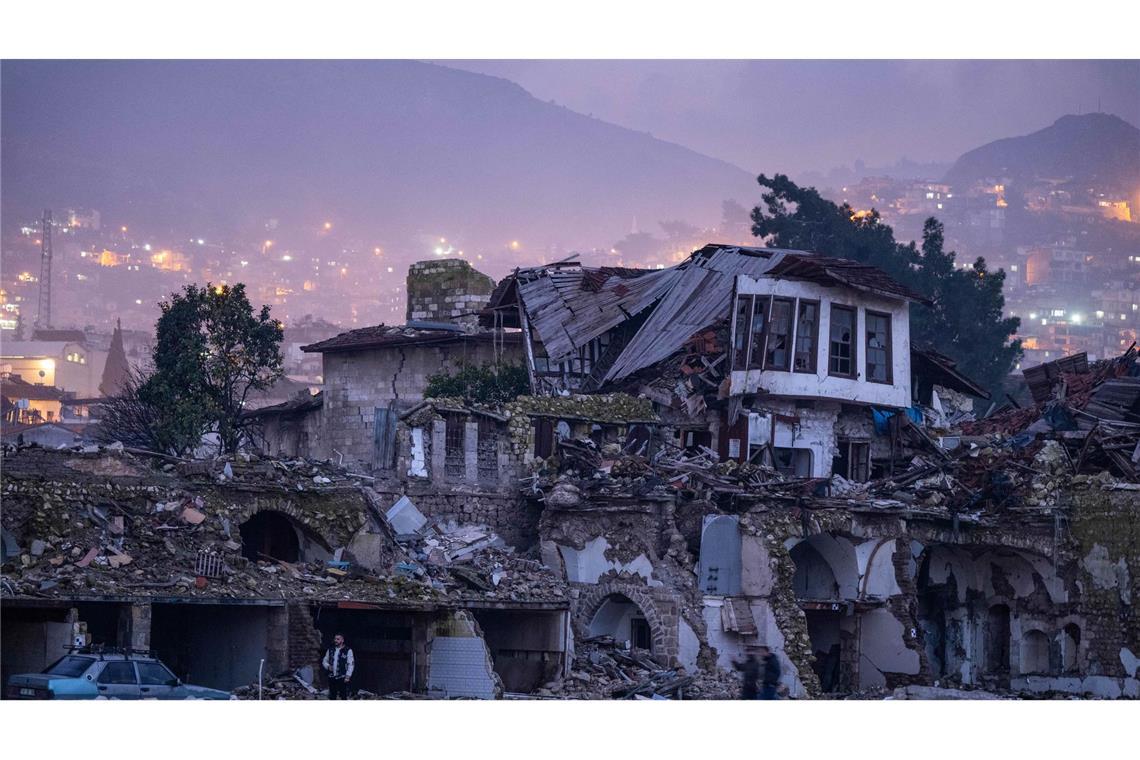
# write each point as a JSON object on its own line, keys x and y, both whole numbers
{"x": 286, "y": 257}
{"x": 515, "y": 244}
{"x": 123, "y": 228}
{"x": 328, "y": 226}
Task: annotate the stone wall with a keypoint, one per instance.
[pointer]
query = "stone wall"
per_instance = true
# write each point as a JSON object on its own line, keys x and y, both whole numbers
{"x": 357, "y": 383}
{"x": 447, "y": 290}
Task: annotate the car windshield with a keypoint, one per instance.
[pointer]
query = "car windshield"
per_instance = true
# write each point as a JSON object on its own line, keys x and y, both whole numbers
{"x": 70, "y": 666}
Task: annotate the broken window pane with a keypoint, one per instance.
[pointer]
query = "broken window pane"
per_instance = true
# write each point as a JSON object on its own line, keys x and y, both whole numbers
{"x": 740, "y": 344}
{"x": 807, "y": 331}
{"x": 794, "y": 463}
{"x": 841, "y": 357}
{"x": 779, "y": 334}
{"x": 454, "y": 461}
{"x": 878, "y": 347}
{"x": 853, "y": 461}
{"x": 488, "y": 449}
{"x": 759, "y": 327}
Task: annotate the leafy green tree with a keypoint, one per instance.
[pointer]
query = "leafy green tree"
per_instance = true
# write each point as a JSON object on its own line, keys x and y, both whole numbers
{"x": 211, "y": 350}
{"x": 965, "y": 318}
{"x": 486, "y": 384}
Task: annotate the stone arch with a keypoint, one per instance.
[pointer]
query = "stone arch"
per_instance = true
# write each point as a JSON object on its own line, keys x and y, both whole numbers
{"x": 950, "y": 566}
{"x": 592, "y": 601}
{"x": 945, "y": 576}
{"x": 1005, "y": 573}
{"x": 1034, "y": 653}
{"x": 271, "y": 533}
{"x": 826, "y": 568}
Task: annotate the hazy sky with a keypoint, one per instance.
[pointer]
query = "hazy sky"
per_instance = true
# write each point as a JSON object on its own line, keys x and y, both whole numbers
{"x": 814, "y": 115}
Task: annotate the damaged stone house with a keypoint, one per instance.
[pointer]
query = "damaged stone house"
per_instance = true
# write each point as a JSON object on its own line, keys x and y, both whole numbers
{"x": 229, "y": 569}
{"x": 742, "y": 449}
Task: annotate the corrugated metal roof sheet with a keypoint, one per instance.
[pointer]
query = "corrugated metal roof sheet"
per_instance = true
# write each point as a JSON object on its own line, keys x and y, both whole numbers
{"x": 700, "y": 297}
{"x": 569, "y": 305}
{"x": 567, "y": 316}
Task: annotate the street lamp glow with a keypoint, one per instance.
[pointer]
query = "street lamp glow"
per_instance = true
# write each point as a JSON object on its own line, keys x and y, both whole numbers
{"x": 328, "y": 226}
{"x": 515, "y": 245}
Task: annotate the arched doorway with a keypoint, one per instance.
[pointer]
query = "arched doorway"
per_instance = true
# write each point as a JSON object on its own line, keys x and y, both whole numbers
{"x": 621, "y": 618}
{"x": 270, "y": 535}
{"x": 825, "y": 583}
{"x": 1034, "y": 653}
{"x": 814, "y": 578}
{"x": 997, "y": 640}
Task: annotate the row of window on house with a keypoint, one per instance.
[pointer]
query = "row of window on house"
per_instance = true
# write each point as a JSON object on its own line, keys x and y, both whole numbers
{"x": 767, "y": 337}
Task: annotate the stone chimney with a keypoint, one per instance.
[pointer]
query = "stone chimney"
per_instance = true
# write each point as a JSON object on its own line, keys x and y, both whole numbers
{"x": 447, "y": 290}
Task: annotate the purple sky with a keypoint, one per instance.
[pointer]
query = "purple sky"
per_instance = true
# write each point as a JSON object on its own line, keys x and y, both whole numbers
{"x": 815, "y": 115}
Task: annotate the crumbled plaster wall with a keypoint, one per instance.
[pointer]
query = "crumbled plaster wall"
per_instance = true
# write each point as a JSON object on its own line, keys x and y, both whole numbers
{"x": 357, "y": 383}
{"x": 1105, "y": 527}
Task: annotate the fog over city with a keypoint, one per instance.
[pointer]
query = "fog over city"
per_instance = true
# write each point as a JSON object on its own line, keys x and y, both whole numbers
{"x": 319, "y": 183}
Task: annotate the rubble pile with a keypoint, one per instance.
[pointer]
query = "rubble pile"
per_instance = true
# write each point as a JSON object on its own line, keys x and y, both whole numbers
{"x": 291, "y": 686}
{"x": 147, "y": 531}
{"x": 470, "y": 560}
{"x": 584, "y": 471}
{"x": 602, "y": 670}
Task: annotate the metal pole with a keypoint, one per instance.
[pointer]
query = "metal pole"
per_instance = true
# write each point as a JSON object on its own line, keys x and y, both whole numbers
{"x": 260, "y": 669}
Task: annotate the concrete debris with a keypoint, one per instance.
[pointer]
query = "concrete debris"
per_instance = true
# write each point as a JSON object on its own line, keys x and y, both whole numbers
{"x": 602, "y": 670}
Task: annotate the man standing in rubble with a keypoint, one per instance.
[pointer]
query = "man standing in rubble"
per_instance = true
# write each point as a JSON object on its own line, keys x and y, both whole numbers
{"x": 338, "y": 663}
{"x": 771, "y": 673}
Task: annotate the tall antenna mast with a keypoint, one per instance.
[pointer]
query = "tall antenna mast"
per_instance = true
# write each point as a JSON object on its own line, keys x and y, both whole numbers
{"x": 43, "y": 316}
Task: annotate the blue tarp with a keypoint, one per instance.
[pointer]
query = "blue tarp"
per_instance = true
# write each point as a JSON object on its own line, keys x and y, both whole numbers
{"x": 882, "y": 415}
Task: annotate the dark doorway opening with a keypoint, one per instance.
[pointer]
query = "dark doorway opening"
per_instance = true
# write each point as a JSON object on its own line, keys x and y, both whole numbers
{"x": 527, "y": 647}
{"x": 997, "y": 641}
{"x": 270, "y": 535}
{"x": 381, "y": 642}
{"x": 640, "y": 635}
{"x": 827, "y": 642}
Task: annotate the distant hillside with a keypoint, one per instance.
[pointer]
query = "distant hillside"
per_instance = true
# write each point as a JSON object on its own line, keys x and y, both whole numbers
{"x": 383, "y": 148}
{"x": 1097, "y": 148}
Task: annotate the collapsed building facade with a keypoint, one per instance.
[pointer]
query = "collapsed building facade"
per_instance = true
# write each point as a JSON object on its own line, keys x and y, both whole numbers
{"x": 743, "y": 449}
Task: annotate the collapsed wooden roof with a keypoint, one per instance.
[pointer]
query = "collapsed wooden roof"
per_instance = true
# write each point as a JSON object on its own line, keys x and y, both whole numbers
{"x": 568, "y": 305}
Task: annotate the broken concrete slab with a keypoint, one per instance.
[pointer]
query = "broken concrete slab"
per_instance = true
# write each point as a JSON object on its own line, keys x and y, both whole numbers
{"x": 404, "y": 517}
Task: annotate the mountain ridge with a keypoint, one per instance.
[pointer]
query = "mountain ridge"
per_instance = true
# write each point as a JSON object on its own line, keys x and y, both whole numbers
{"x": 1088, "y": 148}
{"x": 390, "y": 147}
